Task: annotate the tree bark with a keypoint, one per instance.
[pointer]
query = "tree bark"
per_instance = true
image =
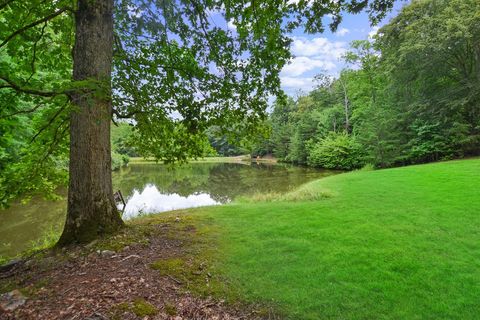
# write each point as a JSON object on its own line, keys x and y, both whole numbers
{"x": 91, "y": 209}
{"x": 345, "y": 98}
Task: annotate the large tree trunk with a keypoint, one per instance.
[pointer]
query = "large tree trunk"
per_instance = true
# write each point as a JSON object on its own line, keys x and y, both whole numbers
{"x": 91, "y": 209}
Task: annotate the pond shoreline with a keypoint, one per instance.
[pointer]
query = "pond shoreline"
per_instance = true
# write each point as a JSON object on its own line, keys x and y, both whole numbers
{"x": 231, "y": 159}
{"x": 148, "y": 187}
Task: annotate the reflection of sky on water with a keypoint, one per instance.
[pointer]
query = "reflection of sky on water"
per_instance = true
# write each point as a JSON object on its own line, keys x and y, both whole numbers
{"x": 150, "y": 200}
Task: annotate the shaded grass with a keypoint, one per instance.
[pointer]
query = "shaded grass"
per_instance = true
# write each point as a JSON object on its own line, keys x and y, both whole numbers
{"x": 390, "y": 244}
{"x": 167, "y": 266}
{"x": 193, "y": 266}
{"x": 140, "y": 307}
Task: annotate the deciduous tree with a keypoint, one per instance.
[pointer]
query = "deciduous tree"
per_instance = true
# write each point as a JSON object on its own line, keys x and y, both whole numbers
{"x": 166, "y": 64}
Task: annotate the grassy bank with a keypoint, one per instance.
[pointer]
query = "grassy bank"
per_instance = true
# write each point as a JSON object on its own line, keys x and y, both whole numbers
{"x": 390, "y": 244}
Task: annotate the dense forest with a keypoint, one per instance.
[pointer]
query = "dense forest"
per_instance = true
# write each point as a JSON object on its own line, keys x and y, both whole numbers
{"x": 411, "y": 95}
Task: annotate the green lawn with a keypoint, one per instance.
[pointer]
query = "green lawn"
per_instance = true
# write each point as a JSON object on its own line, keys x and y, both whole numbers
{"x": 390, "y": 244}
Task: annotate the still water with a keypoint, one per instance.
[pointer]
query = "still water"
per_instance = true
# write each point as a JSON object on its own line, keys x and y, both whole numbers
{"x": 150, "y": 188}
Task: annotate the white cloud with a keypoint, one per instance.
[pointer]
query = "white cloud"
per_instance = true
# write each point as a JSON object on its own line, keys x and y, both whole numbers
{"x": 297, "y": 83}
{"x": 373, "y": 32}
{"x": 300, "y": 65}
{"x": 312, "y": 56}
{"x": 134, "y": 11}
{"x": 320, "y": 46}
{"x": 231, "y": 25}
{"x": 342, "y": 32}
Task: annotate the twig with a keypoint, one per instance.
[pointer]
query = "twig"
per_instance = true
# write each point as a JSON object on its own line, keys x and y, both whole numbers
{"x": 34, "y": 58}
{"x": 174, "y": 279}
{"x": 130, "y": 256}
{"x": 68, "y": 290}
{"x": 23, "y": 111}
{"x": 59, "y": 111}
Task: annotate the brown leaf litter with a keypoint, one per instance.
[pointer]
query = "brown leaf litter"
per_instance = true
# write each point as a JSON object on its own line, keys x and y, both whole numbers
{"x": 89, "y": 283}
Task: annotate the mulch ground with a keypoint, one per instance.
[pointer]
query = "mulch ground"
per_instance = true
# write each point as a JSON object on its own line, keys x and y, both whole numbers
{"x": 91, "y": 284}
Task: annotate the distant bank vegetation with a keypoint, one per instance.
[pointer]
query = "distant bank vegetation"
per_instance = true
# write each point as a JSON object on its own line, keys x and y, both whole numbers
{"x": 410, "y": 95}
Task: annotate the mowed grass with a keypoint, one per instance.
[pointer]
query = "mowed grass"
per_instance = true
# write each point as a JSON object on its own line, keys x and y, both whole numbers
{"x": 390, "y": 244}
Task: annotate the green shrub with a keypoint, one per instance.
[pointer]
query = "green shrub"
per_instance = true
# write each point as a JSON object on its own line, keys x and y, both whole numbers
{"x": 336, "y": 151}
{"x": 125, "y": 159}
{"x": 119, "y": 160}
{"x": 368, "y": 167}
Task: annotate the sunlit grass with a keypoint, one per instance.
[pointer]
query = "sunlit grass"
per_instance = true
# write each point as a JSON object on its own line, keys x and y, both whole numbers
{"x": 388, "y": 244}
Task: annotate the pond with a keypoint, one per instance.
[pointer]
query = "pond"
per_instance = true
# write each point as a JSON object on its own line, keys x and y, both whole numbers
{"x": 151, "y": 188}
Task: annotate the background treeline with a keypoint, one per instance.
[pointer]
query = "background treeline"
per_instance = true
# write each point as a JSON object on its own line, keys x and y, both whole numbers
{"x": 411, "y": 95}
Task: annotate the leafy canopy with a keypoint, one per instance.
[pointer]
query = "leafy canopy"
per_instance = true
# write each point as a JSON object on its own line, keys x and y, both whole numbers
{"x": 180, "y": 70}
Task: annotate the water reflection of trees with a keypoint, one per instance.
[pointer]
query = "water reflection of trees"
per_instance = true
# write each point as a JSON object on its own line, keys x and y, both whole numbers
{"x": 222, "y": 181}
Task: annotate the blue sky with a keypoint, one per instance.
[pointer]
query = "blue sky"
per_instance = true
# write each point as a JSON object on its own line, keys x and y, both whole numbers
{"x": 323, "y": 52}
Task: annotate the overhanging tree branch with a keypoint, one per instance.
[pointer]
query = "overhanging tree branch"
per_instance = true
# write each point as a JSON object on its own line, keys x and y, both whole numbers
{"x": 16, "y": 87}
{"x": 126, "y": 115}
{"x": 23, "y": 111}
{"x": 33, "y": 24}
{"x": 56, "y": 138}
